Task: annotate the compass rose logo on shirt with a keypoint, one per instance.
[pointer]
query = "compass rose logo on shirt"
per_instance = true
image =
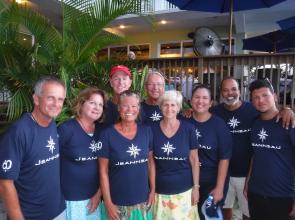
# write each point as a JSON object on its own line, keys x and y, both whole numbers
{"x": 233, "y": 123}
{"x": 198, "y": 134}
{"x": 168, "y": 148}
{"x": 156, "y": 116}
{"x": 51, "y": 144}
{"x": 133, "y": 150}
{"x": 262, "y": 135}
{"x": 95, "y": 146}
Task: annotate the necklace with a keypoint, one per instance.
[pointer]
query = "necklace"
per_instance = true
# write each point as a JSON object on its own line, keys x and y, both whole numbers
{"x": 34, "y": 119}
{"x": 41, "y": 122}
{"x": 88, "y": 130}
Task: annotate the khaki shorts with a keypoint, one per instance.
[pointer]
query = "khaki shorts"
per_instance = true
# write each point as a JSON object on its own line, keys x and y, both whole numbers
{"x": 235, "y": 190}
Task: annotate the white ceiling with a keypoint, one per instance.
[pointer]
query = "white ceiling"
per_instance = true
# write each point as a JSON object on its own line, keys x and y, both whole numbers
{"x": 249, "y": 22}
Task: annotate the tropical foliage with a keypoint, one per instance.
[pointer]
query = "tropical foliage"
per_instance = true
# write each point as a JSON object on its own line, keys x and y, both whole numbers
{"x": 69, "y": 53}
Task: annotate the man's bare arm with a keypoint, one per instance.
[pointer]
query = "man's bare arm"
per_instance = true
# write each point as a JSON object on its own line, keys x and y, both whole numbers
{"x": 10, "y": 200}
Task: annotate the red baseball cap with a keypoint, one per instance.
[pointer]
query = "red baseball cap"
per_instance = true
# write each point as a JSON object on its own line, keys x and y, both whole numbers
{"x": 120, "y": 68}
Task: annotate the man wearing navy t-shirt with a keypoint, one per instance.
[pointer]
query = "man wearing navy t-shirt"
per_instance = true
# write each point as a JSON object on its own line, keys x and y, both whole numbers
{"x": 270, "y": 185}
{"x": 120, "y": 81}
{"x": 154, "y": 87}
{"x": 239, "y": 117}
{"x": 29, "y": 158}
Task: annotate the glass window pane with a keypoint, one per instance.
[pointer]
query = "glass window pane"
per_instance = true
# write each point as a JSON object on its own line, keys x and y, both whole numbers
{"x": 187, "y": 49}
{"x": 141, "y": 51}
{"x": 102, "y": 54}
{"x": 170, "y": 50}
{"x": 118, "y": 53}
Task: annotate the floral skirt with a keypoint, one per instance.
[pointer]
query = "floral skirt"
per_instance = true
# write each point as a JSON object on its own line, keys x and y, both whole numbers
{"x": 175, "y": 207}
{"x": 77, "y": 210}
{"x": 135, "y": 212}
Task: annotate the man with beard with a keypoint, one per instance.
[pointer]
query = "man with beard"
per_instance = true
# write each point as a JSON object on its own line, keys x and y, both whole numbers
{"x": 239, "y": 117}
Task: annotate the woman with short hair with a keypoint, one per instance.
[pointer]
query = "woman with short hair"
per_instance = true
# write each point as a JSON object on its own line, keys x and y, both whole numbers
{"x": 177, "y": 164}
{"x": 127, "y": 172}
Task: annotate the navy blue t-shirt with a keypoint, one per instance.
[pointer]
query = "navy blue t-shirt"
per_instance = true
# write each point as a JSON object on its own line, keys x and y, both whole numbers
{"x": 79, "y": 167}
{"x": 29, "y": 155}
{"x": 111, "y": 113}
{"x": 239, "y": 123}
{"x": 150, "y": 113}
{"x": 173, "y": 169}
{"x": 273, "y": 171}
{"x": 128, "y": 164}
{"x": 215, "y": 143}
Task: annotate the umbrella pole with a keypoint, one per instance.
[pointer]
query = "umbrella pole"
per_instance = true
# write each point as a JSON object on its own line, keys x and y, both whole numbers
{"x": 230, "y": 33}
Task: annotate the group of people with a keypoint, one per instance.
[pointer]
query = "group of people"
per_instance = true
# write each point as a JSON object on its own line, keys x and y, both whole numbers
{"x": 126, "y": 158}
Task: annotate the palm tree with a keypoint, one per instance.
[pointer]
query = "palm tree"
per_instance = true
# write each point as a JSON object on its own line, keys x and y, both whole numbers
{"x": 68, "y": 53}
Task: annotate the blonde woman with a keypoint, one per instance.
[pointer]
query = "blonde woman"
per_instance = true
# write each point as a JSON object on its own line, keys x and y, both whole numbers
{"x": 127, "y": 172}
{"x": 177, "y": 164}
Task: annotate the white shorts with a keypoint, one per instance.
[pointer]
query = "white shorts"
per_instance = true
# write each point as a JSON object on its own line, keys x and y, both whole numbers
{"x": 61, "y": 216}
{"x": 235, "y": 190}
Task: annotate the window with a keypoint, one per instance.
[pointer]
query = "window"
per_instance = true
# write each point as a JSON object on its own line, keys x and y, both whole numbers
{"x": 188, "y": 49}
{"x": 141, "y": 51}
{"x": 102, "y": 54}
{"x": 177, "y": 49}
{"x": 118, "y": 53}
{"x": 168, "y": 50}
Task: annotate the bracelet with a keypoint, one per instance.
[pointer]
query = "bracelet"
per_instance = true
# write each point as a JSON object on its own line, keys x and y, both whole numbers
{"x": 196, "y": 186}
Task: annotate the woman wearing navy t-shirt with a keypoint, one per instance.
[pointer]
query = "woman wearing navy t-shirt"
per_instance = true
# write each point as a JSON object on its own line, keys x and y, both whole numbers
{"x": 177, "y": 164}
{"x": 215, "y": 147}
{"x": 78, "y": 138}
{"x": 127, "y": 172}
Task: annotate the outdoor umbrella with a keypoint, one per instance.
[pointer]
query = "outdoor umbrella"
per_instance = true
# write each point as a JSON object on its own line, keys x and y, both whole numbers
{"x": 288, "y": 25}
{"x": 222, "y": 6}
{"x": 271, "y": 42}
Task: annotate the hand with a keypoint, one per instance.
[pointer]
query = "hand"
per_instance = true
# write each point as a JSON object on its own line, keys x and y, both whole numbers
{"x": 151, "y": 199}
{"x": 113, "y": 212}
{"x": 292, "y": 213}
{"x": 94, "y": 202}
{"x": 217, "y": 194}
{"x": 195, "y": 195}
{"x": 287, "y": 116}
{"x": 187, "y": 113}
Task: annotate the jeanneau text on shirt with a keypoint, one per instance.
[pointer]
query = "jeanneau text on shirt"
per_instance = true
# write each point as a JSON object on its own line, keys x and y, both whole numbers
{"x": 124, "y": 163}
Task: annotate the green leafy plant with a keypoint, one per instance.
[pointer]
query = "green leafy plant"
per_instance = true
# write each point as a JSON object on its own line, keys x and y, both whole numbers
{"x": 69, "y": 53}
{"x": 138, "y": 79}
